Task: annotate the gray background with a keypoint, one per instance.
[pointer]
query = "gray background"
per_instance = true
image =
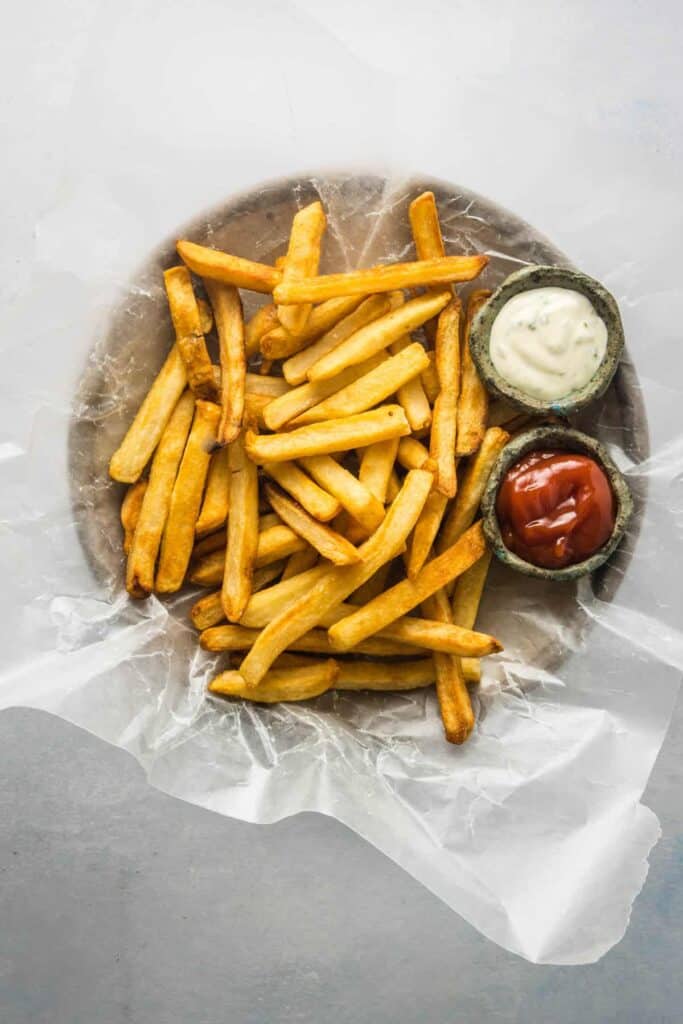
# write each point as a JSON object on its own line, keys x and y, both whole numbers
{"x": 119, "y": 904}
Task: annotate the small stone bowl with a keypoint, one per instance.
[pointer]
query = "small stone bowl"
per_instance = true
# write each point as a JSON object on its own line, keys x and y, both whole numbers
{"x": 562, "y": 439}
{"x": 548, "y": 277}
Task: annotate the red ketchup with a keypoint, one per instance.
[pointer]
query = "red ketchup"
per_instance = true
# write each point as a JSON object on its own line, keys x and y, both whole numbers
{"x": 555, "y": 508}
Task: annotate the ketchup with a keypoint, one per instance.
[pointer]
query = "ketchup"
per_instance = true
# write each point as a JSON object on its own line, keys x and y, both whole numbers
{"x": 555, "y": 508}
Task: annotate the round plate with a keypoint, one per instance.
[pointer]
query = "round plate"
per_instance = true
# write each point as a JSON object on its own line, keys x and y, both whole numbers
{"x": 367, "y": 222}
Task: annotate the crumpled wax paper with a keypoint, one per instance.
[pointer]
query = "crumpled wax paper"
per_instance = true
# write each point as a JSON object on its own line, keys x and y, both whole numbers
{"x": 533, "y": 831}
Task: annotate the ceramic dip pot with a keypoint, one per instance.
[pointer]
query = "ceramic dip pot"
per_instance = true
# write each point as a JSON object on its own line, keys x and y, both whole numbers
{"x": 534, "y": 277}
{"x": 560, "y": 439}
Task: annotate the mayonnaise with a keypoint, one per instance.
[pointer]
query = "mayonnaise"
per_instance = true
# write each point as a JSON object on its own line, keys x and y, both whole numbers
{"x": 548, "y": 342}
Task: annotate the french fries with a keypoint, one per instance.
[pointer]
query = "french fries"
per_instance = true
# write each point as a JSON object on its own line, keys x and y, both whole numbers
{"x": 205, "y": 316}
{"x": 473, "y": 401}
{"x": 280, "y": 684}
{"x": 408, "y": 675}
{"x": 467, "y": 595}
{"x": 411, "y": 394}
{"x": 411, "y": 453}
{"x": 430, "y": 380}
{"x": 329, "y": 544}
{"x": 263, "y": 384}
{"x": 130, "y": 512}
{"x": 221, "y": 266}
{"x": 227, "y": 311}
{"x": 465, "y": 506}
{"x": 351, "y": 493}
{"x": 311, "y": 497}
{"x": 424, "y": 224}
{"x": 442, "y": 441}
{"x": 454, "y": 700}
{"x": 258, "y": 327}
{"x": 333, "y": 436}
{"x": 275, "y": 542}
{"x": 216, "y": 501}
{"x": 188, "y": 330}
{"x": 238, "y": 638}
{"x": 406, "y": 595}
{"x": 369, "y": 390}
{"x": 287, "y": 407}
{"x": 378, "y": 335}
{"x": 381, "y": 279}
{"x": 376, "y": 465}
{"x": 179, "y": 532}
{"x": 299, "y": 562}
{"x": 277, "y": 343}
{"x": 242, "y": 542}
{"x": 424, "y": 534}
{"x": 301, "y": 261}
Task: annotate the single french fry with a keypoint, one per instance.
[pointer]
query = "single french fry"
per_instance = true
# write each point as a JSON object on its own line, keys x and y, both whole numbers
{"x": 368, "y": 675}
{"x": 221, "y": 266}
{"x": 188, "y": 331}
{"x": 371, "y": 389}
{"x": 443, "y": 434}
{"x": 144, "y": 434}
{"x": 406, "y": 595}
{"x": 205, "y": 316}
{"x": 274, "y": 544}
{"x": 264, "y": 384}
{"x": 227, "y": 310}
{"x": 376, "y": 464}
{"x": 254, "y": 409}
{"x": 130, "y": 513}
{"x": 316, "y": 501}
{"x": 243, "y": 536}
{"x": 411, "y": 453}
{"x": 299, "y": 562}
{"x": 424, "y": 534}
{"x": 471, "y": 669}
{"x": 278, "y": 343}
{"x": 411, "y": 394}
{"x": 437, "y": 635}
{"x": 303, "y": 257}
{"x": 466, "y": 503}
{"x": 280, "y": 684}
{"x": 352, "y": 495}
{"x": 424, "y": 224}
{"x": 468, "y": 590}
{"x": 331, "y": 545}
{"x": 216, "y": 500}
{"x": 284, "y": 409}
{"x": 155, "y": 504}
{"x": 378, "y": 335}
{"x": 473, "y": 400}
{"x": 208, "y": 610}
{"x": 333, "y": 436}
{"x": 239, "y": 638}
{"x": 337, "y": 582}
{"x": 371, "y": 588}
{"x": 258, "y": 326}
{"x": 263, "y": 607}
{"x": 297, "y": 366}
{"x": 186, "y": 497}
{"x": 430, "y": 379}
{"x": 382, "y": 279}
{"x": 394, "y": 486}
{"x": 212, "y": 542}
{"x": 451, "y": 691}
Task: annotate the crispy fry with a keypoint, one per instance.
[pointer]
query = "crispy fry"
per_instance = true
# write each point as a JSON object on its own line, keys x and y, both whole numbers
{"x": 331, "y": 545}
{"x": 130, "y": 512}
{"x": 280, "y": 344}
{"x": 337, "y": 582}
{"x": 186, "y": 497}
{"x": 468, "y": 590}
{"x": 205, "y": 316}
{"x": 442, "y": 440}
{"x": 296, "y": 368}
{"x": 263, "y": 607}
{"x": 430, "y": 379}
{"x": 454, "y": 700}
{"x": 394, "y": 486}
{"x": 212, "y": 542}
{"x": 371, "y": 389}
{"x": 295, "y": 401}
{"x": 371, "y": 588}
{"x": 299, "y": 562}
{"x": 411, "y": 453}
{"x": 144, "y": 433}
{"x": 258, "y": 326}
{"x": 376, "y": 464}
{"x": 407, "y": 594}
{"x": 310, "y": 496}
{"x": 280, "y": 684}
{"x": 303, "y": 256}
{"x": 227, "y": 310}
{"x": 264, "y": 384}
{"x": 424, "y": 223}
{"x": 473, "y": 401}
{"x": 382, "y": 279}
{"x": 424, "y": 534}
{"x": 333, "y": 436}
{"x": 254, "y": 409}
{"x": 437, "y": 635}
{"x": 465, "y": 506}
{"x": 411, "y": 395}
{"x": 188, "y": 331}
{"x": 274, "y": 543}
{"x": 377, "y": 335}
{"x": 208, "y": 610}
{"x": 243, "y": 536}
{"x": 352, "y": 495}
{"x": 366, "y": 675}
{"x": 221, "y": 266}
{"x": 238, "y": 638}
{"x": 216, "y": 501}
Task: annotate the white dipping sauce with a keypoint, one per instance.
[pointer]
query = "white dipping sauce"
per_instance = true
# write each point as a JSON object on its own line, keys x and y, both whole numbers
{"x": 548, "y": 342}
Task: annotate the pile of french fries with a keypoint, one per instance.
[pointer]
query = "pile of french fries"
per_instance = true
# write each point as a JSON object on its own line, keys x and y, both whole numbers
{"x": 327, "y": 498}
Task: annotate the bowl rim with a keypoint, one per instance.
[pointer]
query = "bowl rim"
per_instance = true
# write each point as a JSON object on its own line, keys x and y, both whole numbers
{"x": 567, "y": 439}
{"x": 542, "y": 276}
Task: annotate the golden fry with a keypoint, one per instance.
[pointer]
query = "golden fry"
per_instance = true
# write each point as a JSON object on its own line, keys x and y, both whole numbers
{"x": 394, "y": 486}
{"x": 299, "y": 562}
{"x": 424, "y": 534}
{"x": 221, "y": 266}
{"x": 296, "y": 368}
{"x": 376, "y": 465}
{"x": 367, "y": 675}
{"x": 188, "y": 331}
{"x": 406, "y": 595}
{"x": 352, "y": 495}
{"x": 263, "y": 384}
{"x": 216, "y": 501}
{"x": 451, "y": 691}
{"x": 424, "y": 223}
{"x": 333, "y": 436}
{"x": 280, "y": 684}
{"x": 468, "y": 590}
{"x": 473, "y": 401}
{"x": 472, "y": 486}
{"x": 442, "y": 440}
{"x": 227, "y": 310}
{"x": 186, "y": 497}
{"x": 284, "y": 409}
{"x": 243, "y": 533}
{"x": 411, "y": 453}
{"x": 239, "y": 638}
{"x": 310, "y": 496}
{"x": 278, "y": 343}
{"x": 254, "y": 409}
{"x": 430, "y": 379}
{"x": 303, "y": 257}
{"x": 411, "y": 394}
{"x": 331, "y": 545}
{"x": 212, "y": 542}
{"x": 377, "y": 584}
{"x": 263, "y": 607}
{"x": 274, "y": 543}
{"x": 378, "y": 335}
{"x": 258, "y": 326}
{"x": 208, "y": 610}
{"x": 130, "y": 512}
{"x": 382, "y": 279}
{"x": 205, "y": 316}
